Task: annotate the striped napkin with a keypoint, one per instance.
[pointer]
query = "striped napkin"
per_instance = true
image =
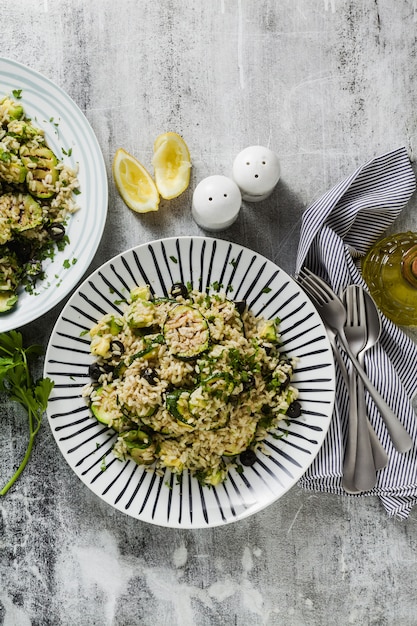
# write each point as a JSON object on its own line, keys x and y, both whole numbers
{"x": 336, "y": 231}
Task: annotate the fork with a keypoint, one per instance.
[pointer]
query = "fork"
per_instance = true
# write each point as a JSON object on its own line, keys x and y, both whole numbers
{"x": 359, "y": 472}
{"x": 378, "y": 452}
{"x": 333, "y": 313}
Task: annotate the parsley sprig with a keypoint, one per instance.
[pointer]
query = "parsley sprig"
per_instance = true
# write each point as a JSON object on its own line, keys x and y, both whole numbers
{"x": 17, "y": 383}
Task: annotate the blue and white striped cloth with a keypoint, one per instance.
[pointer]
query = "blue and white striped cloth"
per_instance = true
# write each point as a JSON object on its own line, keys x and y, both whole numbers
{"x": 336, "y": 231}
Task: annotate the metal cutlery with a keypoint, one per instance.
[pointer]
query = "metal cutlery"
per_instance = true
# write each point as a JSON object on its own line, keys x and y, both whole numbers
{"x": 374, "y": 327}
{"x": 359, "y": 473}
{"x": 378, "y": 451}
{"x": 333, "y": 313}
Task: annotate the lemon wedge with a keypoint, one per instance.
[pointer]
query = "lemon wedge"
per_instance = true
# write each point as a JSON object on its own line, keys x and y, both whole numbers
{"x": 134, "y": 183}
{"x": 172, "y": 164}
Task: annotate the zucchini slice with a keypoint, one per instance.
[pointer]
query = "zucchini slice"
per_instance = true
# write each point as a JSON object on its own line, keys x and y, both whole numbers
{"x": 139, "y": 446}
{"x": 12, "y": 169}
{"x": 31, "y": 215}
{"x": 41, "y": 162}
{"x": 150, "y": 350}
{"x": 146, "y": 410}
{"x": 106, "y": 408}
{"x": 213, "y": 415}
{"x": 176, "y": 403}
{"x": 186, "y": 332}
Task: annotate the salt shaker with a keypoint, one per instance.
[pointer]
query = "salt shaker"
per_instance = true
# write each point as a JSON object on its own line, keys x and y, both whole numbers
{"x": 216, "y": 203}
{"x": 256, "y": 171}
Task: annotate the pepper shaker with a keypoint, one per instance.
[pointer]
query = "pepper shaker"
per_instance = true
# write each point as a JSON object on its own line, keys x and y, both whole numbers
{"x": 256, "y": 171}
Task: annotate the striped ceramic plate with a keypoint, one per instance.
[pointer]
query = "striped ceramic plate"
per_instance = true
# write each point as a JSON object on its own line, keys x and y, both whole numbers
{"x": 71, "y": 137}
{"x": 164, "y": 499}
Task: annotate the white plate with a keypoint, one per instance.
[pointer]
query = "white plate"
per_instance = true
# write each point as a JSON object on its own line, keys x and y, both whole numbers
{"x": 165, "y": 500}
{"x": 65, "y": 128}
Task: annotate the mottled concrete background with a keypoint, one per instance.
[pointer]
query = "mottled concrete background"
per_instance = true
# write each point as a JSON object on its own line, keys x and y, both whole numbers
{"x": 327, "y": 84}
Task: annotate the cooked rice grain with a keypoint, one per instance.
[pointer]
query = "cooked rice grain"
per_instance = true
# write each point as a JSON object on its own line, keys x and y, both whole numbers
{"x": 198, "y": 414}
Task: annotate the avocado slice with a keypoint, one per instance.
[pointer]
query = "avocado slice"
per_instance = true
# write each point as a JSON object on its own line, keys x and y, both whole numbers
{"x": 269, "y": 332}
{"x": 11, "y": 109}
{"x": 8, "y": 300}
{"x": 12, "y": 170}
{"x": 23, "y": 129}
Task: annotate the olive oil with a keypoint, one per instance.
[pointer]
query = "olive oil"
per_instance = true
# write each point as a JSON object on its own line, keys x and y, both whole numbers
{"x": 390, "y": 271}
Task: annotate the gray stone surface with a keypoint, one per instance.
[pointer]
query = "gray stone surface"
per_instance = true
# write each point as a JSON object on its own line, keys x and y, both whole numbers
{"x": 327, "y": 84}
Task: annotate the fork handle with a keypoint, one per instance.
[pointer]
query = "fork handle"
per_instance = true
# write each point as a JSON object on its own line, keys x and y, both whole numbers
{"x": 349, "y": 460}
{"x": 399, "y": 436}
{"x": 365, "y": 470}
{"x": 378, "y": 451}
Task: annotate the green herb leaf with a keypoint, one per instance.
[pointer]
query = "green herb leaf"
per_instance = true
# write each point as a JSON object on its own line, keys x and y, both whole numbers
{"x": 17, "y": 383}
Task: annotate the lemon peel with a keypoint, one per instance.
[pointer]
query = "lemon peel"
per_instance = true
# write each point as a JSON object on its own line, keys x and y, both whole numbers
{"x": 134, "y": 183}
{"x": 172, "y": 164}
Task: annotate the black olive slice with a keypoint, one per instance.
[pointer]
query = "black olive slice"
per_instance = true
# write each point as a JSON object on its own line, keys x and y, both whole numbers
{"x": 179, "y": 289}
{"x": 294, "y": 410}
{"x": 117, "y": 347}
{"x": 248, "y": 457}
{"x": 241, "y": 306}
{"x": 56, "y": 231}
{"x": 150, "y": 375}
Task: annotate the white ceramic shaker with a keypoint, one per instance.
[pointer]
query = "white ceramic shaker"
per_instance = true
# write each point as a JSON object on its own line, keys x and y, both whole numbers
{"x": 256, "y": 171}
{"x": 216, "y": 203}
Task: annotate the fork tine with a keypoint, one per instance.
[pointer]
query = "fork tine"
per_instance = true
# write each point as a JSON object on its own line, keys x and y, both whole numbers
{"x": 315, "y": 292}
{"x": 361, "y": 306}
{"x": 319, "y": 281}
{"x": 356, "y": 319}
{"x": 351, "y": 306}
{"x": 347, "y": 301}
{"x": 314, "y": 286}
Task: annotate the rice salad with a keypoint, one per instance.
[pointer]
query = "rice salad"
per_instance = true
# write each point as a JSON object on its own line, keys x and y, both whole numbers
{"x": 36, "y": 196}
{"x": 189, "y": 382}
